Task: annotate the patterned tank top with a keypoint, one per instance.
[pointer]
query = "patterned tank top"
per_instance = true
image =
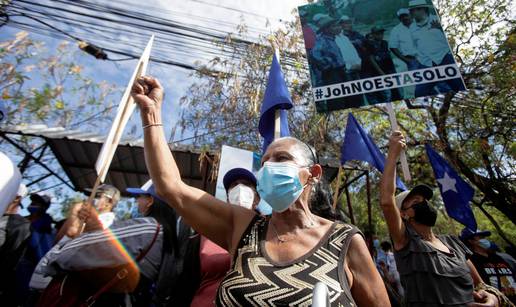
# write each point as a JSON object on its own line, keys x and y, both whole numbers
{"x": 254, "y": 280}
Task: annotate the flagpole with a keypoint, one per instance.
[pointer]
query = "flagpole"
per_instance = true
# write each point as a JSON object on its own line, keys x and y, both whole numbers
{"x": 403, "y": 156}
{"x": 350, "y": 207}
{"x": 277, "y": 114}
{"x": 126, "y": 108}
{"x": 277, "y": 124}
{"x": 369, "y": 206}
{"x": 337, "y": 188}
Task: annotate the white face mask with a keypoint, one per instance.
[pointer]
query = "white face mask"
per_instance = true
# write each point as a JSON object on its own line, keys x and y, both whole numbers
{"x": 241, "y": 195}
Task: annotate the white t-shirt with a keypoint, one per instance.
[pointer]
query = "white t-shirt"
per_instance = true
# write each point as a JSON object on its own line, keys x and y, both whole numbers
{"x": 401, "y": 39}
{"x": 430, "y": 43}
{"x": 106, "y": 218}
{"x": 348, "y": 51}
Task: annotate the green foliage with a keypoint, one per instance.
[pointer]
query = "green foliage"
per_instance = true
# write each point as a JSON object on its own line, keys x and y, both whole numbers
{"x": 39, "y": 85}
{"x": 39, "y": 88}
{"x": 474, "y": 130}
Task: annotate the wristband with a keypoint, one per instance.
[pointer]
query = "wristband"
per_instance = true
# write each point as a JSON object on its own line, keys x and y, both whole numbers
{"x": 151, "y": 125}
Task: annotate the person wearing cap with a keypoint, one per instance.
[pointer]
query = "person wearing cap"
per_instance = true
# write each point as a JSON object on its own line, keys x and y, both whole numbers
{"x": 214, "y": 261}
{"x": 349, "y": 52}
{"x": 435, "y": 270}
{"x": 378, "y": 63}
{"x": 431, "y": 46}
{"x": 278, "y": 259}
{"x": 180, "y": 264}
{"x": 40, "y": 242}
{"x": 326, "y": 54}
{"x": 493, "y": 269}
{"x": 105, "y": 201}
{"x": 106, "y": 198}
{"x": 14, "y": 236}
{"x": 400, "y": 40}
{"x": 161, "y": 277}
{"x": 357, "y": 39}
{"x": 240, "y": 185}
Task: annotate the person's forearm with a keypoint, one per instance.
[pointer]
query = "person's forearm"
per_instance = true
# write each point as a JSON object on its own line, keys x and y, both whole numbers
{"x": 159, "y": 160}
{"x": 71, "y": 228}
{"x": 477, "y": 279}
{"x": 399, "y": 55}
{"x": 375, "y": 65}
{"x": 388, "y": 181}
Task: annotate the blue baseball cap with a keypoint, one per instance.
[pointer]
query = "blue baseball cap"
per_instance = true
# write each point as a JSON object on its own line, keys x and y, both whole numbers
{"x": 147, "y": 189}
{"x": 467, "y": 234}
{"x": 237, "y": 174}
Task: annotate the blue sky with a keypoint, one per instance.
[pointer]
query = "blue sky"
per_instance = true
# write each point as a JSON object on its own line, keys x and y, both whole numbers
{"x": 262, "y": 17}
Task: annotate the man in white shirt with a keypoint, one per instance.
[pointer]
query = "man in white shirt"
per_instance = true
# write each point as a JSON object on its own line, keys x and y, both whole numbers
{"x": 400, "y": 40}
{"x": 432, "y": 47}
{"x": 105, "y": 201}
{"x": 106, "y": 198}
{"x": 348, "y": 50}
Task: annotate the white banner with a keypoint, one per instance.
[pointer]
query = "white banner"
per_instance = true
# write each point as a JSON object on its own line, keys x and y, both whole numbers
{"x": 387, "y": 82}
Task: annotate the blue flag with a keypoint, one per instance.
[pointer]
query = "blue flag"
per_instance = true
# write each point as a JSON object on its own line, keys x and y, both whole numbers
{"x": 276, "y": 97}
{"x": 456, "y": 193}
{"x": 358, "y": 145}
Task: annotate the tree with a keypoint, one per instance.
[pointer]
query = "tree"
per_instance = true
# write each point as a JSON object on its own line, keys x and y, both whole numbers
{"x": 475, "y": 130}
{"x": 39, "y": 85}
{"x": 39, "y": 88}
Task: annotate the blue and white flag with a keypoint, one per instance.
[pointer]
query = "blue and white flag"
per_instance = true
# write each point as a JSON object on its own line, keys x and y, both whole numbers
{"x": 456, "y": 192}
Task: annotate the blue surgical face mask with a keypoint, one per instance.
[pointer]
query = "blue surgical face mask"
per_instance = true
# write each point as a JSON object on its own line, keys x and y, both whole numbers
{"x": 484, "y": 243}
{"x": 135, "y": 213}
{"x": 279, "y": 184}
{"x": 376, "y": 243}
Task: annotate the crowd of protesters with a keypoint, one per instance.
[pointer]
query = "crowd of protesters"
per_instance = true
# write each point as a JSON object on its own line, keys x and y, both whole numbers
{"x": 184, "y": 247}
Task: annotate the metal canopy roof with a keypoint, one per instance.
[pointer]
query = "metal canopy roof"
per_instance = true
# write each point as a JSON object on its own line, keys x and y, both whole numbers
{"x": 77, "y": 151}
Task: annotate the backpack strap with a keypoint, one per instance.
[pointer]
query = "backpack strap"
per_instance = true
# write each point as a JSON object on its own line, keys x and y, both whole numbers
{"x": 122, "y": 274}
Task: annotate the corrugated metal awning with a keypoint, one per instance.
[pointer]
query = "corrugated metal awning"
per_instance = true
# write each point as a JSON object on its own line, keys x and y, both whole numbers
{"x": 77, "y": 152}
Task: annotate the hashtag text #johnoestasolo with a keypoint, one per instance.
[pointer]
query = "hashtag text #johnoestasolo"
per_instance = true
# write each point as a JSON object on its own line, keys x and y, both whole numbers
{"x": 386, "y": 82}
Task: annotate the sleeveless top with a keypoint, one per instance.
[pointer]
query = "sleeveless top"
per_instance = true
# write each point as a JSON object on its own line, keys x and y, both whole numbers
{"x": 254, "y": 280}
{"x": 432, "y": 277}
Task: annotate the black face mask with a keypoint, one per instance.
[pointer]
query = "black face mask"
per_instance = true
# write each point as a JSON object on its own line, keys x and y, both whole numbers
{"x": 425, "y": 214}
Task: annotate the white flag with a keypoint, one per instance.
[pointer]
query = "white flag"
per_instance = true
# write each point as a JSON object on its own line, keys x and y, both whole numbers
{"x": 125, "y": 109}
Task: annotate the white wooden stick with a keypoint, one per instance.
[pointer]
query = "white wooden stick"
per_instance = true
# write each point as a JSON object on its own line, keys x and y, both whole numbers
{"x": 277, "y": 114}
{"x": 125, "y": 109}
{"x": 336, "y": 192}
{"x": 277, "y": 124}
{"x": 403, "y": 156}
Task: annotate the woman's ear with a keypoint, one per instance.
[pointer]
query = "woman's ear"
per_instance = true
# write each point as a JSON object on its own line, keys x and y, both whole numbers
{"x": 316, "y": 172}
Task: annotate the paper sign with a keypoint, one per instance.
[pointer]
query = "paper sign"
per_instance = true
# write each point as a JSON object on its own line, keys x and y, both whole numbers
{"x": 366, "y": 52}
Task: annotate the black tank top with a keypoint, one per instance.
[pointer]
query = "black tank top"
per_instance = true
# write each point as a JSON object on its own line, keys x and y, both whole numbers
{"x": 254, "y": 280}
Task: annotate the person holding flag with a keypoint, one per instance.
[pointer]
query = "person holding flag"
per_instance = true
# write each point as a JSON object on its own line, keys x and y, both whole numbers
{"x": 434, "y": 270}
{"x": 358, "y": 145}
{"x": 277, "y": 260}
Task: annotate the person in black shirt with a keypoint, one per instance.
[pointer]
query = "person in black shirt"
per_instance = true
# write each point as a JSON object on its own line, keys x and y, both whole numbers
{"x": 15, "y": 233}
{"x": 493, "y": 269}
{"x": 377, "y": 63}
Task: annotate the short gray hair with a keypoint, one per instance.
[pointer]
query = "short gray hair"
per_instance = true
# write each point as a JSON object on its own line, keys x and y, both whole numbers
{"x": 307, "y": 152}
{"x": 321, "y": 199}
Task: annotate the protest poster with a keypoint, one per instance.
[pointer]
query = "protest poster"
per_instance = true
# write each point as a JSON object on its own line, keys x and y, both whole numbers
{"x": 231, "y": 157}
{"x": 364, "y": 52}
